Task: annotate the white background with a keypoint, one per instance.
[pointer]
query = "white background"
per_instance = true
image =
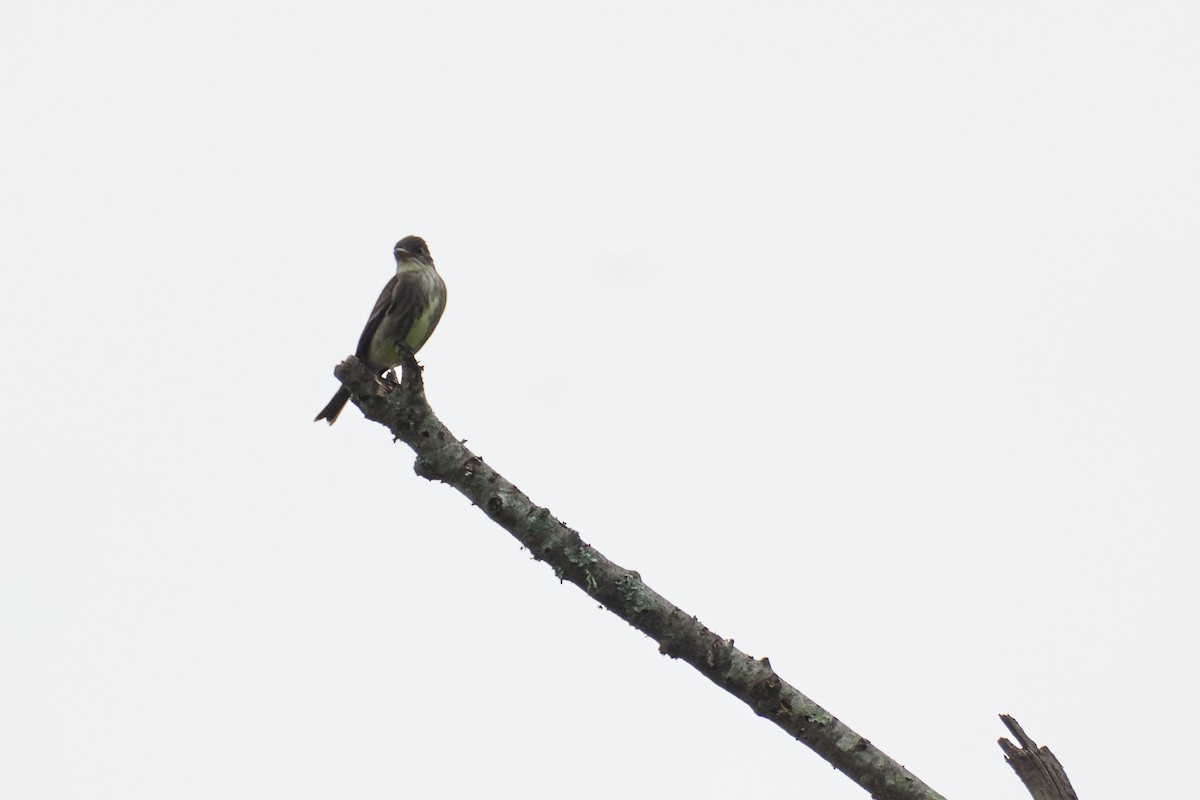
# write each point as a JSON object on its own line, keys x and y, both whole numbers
{"x": 865, "y": 331}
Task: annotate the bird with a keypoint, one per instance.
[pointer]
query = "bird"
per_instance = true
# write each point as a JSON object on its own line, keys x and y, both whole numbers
{"x": 404, "y": 316}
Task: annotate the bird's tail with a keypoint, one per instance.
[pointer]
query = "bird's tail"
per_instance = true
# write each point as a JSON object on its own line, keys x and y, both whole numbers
{"x": 331, "y": 411}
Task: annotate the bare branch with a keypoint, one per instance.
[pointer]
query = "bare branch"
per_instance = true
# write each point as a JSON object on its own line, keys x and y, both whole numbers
{"x": 1036, "y": 766}
{"x": 442, "y": 457}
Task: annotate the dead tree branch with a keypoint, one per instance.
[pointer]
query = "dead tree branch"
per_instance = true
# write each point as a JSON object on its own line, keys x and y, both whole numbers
{"x": 442, "y": 457}
{"x": 1036, "y": 766}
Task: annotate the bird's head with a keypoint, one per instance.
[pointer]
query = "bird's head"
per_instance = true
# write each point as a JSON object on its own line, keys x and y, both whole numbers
{"x": 412, "y": 247}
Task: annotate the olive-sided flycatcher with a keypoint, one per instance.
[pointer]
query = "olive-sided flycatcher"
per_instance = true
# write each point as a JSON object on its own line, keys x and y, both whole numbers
{"x": 405, "y": 315}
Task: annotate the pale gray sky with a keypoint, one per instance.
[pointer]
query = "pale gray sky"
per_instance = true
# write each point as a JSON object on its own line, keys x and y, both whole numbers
{"x": 866, "y": 332}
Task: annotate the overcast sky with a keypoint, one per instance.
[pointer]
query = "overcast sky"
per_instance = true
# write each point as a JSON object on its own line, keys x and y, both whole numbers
{"x": 866, "y": 332}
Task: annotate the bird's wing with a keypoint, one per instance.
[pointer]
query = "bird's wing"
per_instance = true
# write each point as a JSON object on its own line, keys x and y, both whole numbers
{"x": 386, "y": 298}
